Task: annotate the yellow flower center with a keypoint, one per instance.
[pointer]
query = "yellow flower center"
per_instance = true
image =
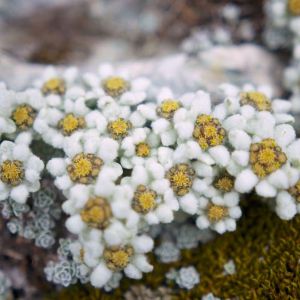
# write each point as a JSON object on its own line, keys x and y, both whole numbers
{"x": 168, "y": 108}
{"x": 96, "y": 213}
{"x": 216, "y": 213}
{"x": 266, "y": 157}
{"x": 70, "y": 123}
{"x": 12, "y": 172}
{"x": 208, "y": 131}
{"x": 84, "y": 168}
{"x": 119, "y": 128}
{"x": 115, "y": 86}
{"x": 23, "y": 116}
{"x": 142, "y": 150}
{"x": 144, "y": 200}
{"x": 256, "y": 99}
{"x": 181, "y": 178}
{"x": 54, "y": 86}
{"x": 224, "y": 182}
{"x": 294, "y": 7}
{"x": 117, "y": 258}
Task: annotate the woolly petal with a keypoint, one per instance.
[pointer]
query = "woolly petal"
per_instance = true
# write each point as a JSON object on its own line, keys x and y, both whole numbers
{"x": 100, "y": 275}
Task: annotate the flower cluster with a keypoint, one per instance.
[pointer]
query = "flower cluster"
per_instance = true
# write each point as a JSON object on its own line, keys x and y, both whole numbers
{"x": 134, "y": 155}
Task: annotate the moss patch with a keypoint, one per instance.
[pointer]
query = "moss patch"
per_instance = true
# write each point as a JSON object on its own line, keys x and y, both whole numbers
{"x": 265, "y": 250}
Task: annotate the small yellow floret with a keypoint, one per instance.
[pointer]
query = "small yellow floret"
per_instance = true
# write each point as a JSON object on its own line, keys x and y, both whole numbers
{"x": 144, "y": 200}
{"x": 181, "y": 178}
{"x": 119, "y": 128}
{"x": 54, "y": 86}
{"x": 12, "y": 172}
{"x": 256, "y": 99}
{"x": 23, "y": 116}
{"x": 115, "y": 86}
{"x": 216, "y": 213}
{"x": 117, "y": 258}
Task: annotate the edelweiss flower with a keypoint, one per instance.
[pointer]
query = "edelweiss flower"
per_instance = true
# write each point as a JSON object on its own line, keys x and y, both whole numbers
{"x": 249, "y": 107}
{"x": 219, "y": 213}
{"x": 89, "y": 160}
{"x": 19, "y": 110}
{"x": 94, "y": 209}
{"x": 59, "y": 85}
{"x": 105, "y": 260}
{"x": 148, "y": 195}
{"x": 55, "y": 124}
{"x": 138, "y": 147}
{"x": 19, "y": 171}
{"x": 268, "y": 164}
{"x": 162, "y": 114}
{"x": 181, "y": 176}
{"x": 116, "y": 91}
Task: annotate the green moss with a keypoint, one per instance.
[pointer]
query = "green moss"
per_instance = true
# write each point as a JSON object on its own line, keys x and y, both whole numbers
{"x": 266, "y": 252}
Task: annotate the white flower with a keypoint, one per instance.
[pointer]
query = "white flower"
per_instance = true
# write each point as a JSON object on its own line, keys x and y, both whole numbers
{"x": 219, "y": 213}
{"x": 174, "y": 116}
{"x": 116, "y": 91}
{"x": 213, "y": 181}
{"x": 58, "y": 85}
{"x": 18, "y": 110}
{"x": 105, "y": 260}
{"x": 56, "y": 124}
{"x": 97, "y": 210}
{"x": 20, "y": 171}
{"x": 267, "y": 163}
{"x": 248, "y": 107}
{"x": 138, "y": 147}
{"x": 89, "y": 160}
{"x": 148, "y": 195}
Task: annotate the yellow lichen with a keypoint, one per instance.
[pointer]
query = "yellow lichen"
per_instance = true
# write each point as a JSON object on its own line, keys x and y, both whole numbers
{"x": 294, "y": 7}
{"x": 216, "y": 213}
{"x": 115, "y": 86}
{"x": 70, "y": 124}
{"x": 208, "y": 131}
{"x": 12, "y": 172}
{"x": 144, "y": 200}
{"x": 96, "y": 213}
{"x": 224, "y": 182}
{"x": 54, "y": 86}
{"x": 181, "y": 178}
{"x": 117, "y": 258}
{"x": 23, "y": 116}
{"x": 84, "y": 168}
{"x": 266, "y": 157}
{"x": 119, "y": 128}
{"x": 168, "y": 108}
{"x": 256, "y": 99}
{"x": 142, "y": 149}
